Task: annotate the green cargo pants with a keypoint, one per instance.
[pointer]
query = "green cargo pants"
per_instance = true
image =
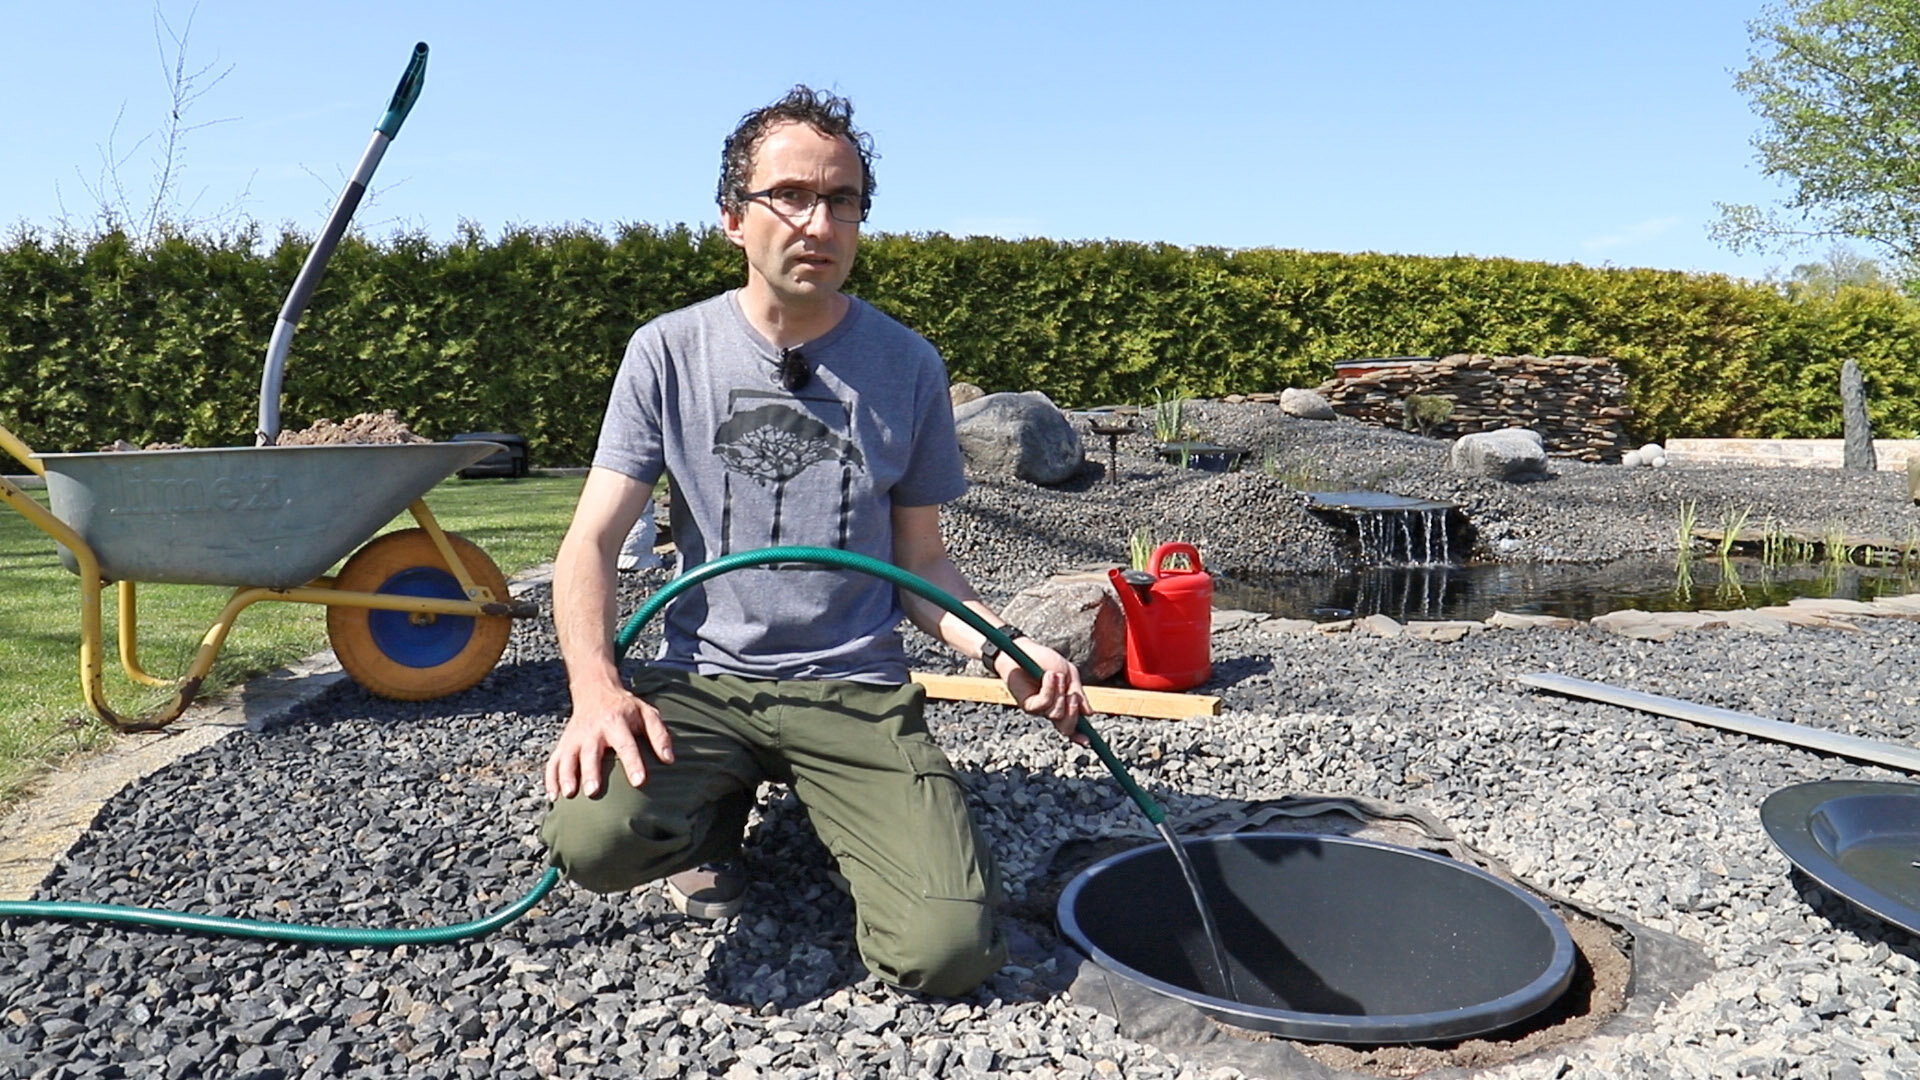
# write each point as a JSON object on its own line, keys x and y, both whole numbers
{"x": 881, "y": 797}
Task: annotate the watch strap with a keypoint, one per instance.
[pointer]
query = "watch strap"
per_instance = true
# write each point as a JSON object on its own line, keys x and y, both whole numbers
{"x": 990, "y": 652}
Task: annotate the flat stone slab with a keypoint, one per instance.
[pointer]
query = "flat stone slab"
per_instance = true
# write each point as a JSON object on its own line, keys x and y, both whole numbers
{"x": 1507, "y": 620}
{"x": 1657, "y": 625}
{"x": 1890, "y": 455}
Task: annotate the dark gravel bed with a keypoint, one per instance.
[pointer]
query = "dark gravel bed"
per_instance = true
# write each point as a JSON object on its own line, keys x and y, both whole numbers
{"x": 362, "y": 812}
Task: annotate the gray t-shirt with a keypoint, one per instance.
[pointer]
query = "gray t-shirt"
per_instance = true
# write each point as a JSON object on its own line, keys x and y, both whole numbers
{"x": 698, "y": 395}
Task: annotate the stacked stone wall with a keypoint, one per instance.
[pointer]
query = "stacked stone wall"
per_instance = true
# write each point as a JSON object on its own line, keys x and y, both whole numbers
{"x": 1578, "y": 404}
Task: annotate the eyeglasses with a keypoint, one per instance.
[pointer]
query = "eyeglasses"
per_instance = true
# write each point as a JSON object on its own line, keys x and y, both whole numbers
{"x": 795, "y": 372}
{"x": 798, "y": 202}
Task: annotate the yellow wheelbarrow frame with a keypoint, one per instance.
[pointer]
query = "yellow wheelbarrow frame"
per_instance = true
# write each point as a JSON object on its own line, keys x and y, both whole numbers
{"x": 478, "y": 579}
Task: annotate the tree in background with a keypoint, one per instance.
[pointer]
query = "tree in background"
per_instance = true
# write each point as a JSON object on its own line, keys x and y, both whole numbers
{"x": 164, "y": 208}
{"x": 1837, "y": 85}
{"x": 1843, "y": 268}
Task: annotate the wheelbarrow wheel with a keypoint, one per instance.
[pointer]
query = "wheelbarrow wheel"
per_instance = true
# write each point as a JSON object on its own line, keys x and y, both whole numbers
{"x": 409, "y": 656}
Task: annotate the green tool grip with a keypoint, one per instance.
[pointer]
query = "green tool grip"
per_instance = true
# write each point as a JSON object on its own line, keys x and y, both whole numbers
{"x": 406, "y": 93}
{"x": 853, "y": 560}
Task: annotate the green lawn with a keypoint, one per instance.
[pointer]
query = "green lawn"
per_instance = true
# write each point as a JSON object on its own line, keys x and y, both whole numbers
{"x": 42, "y": 715}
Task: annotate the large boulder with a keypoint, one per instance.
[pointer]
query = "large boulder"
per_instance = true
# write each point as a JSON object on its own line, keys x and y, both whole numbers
{"x": 1306, "y": 404}
{"x": 1022, "y": 435}
{"x": 1508, "y": 454}
{"x": 962, "y": 392}
{"x": 1079, "y": 618}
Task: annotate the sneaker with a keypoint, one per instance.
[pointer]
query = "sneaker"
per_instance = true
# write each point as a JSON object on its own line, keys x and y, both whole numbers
{"x": 715, "y": 890}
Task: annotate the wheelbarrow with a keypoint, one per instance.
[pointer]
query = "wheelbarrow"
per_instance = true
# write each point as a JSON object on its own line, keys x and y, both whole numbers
{"x": 414, "y": 614}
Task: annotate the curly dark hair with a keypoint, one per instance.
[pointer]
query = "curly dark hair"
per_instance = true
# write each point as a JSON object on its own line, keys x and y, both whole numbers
{"x": 828, "y": 114}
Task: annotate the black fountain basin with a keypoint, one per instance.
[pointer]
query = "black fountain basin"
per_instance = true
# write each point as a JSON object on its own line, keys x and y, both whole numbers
{"x": 1859, "y": 838}
{"x": 1330, "y": 939}
{"x": 1211, "y": 457}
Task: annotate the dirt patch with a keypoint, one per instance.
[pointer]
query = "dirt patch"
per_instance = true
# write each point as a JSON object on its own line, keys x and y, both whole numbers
{"x": 1598, "y": 991}
{"x": 381, "y": 427}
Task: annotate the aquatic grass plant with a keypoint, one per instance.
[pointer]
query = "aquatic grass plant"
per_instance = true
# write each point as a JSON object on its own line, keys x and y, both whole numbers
{"x": 1169, "y": 417}
{"x": 1732, "y": 523}
{"x": 1683, "y": 577}
{"x": 1773, "y": 544}
{"x": 1683, "y": 534}
{"x": 1731, "y": 589}
{"x": 1140, "y": 548}
{"x": 1834, "y": 541}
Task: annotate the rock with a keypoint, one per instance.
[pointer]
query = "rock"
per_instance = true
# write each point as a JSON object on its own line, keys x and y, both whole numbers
{"x": 1507, "y": 620}
{"x": 963, "y": 392}
{"x": 1508, "y": 454}
{"x": 1444, "y": 632}
{"x": 1080, "y": 620}
{"x": 1855, "y": 425}
{"x": 1753, "y": 622}
{"x": 1633, "y": 460}
{"x": 1657, "y": 625}
{"x": 1021, "y": 435}
{"x": 1306, "y": 404}
{"x": 1379, "y": 626}
{"x": 1226, "y": 619}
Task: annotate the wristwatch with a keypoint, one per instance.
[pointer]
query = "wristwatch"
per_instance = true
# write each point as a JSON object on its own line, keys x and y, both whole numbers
{"x": 990, "y": 653}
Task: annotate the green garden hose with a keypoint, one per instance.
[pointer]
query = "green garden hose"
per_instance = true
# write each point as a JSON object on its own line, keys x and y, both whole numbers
{"x": 849, "y": 560}
{"x": 367, "y": 936}
{"x": 273, "y": 931}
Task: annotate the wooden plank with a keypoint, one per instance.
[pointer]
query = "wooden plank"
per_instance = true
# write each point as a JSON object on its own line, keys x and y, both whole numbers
{"x": 1830, "y": 742}
{"x": 1115, "y": 701}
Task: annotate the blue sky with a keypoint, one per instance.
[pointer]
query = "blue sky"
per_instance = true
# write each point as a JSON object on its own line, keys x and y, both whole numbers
{"x": 1594, "y": 133}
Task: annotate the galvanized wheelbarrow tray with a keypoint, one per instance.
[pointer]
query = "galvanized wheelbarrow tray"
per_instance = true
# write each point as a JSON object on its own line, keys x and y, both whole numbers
{"x": 414, "y": 614}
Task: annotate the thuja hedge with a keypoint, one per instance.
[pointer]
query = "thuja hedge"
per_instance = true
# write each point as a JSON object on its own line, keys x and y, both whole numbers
{"x": 103, "y": 340}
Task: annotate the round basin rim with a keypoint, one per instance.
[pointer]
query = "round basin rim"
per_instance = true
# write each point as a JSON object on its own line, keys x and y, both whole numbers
{"x": 1491, "y": 1015}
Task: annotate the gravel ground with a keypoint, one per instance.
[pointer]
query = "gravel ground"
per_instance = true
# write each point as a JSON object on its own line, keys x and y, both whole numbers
{"x": 358, "y": 811}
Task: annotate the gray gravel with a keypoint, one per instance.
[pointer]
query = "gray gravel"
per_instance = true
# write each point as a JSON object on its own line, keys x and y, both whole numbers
{"x": 358, "y": 811}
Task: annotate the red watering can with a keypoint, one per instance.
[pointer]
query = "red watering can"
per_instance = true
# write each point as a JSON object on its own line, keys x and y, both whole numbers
{"x": 1169, "y": 620}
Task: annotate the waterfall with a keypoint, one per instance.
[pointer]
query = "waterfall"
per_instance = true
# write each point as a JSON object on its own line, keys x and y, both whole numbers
{"x": 1416, "y": 537}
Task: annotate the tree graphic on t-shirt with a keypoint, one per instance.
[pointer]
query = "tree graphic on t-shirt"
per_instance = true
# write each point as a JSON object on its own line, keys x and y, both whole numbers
{"x": 775, "y": 443}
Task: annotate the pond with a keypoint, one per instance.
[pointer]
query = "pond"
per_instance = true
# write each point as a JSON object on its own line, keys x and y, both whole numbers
{"x": 1576, "y": 591}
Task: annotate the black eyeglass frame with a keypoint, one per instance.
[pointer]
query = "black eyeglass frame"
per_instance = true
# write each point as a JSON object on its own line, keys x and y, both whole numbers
{"x": 866, "y": 204}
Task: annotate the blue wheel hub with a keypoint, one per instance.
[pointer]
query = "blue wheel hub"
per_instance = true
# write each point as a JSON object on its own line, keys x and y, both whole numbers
{"x": 417, "y": 640}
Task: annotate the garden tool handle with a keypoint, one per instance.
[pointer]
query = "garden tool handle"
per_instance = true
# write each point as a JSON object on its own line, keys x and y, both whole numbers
{"x": 852, "y": 560}
{"x": 406, "y": 93}
{"x": 267, "y": 433}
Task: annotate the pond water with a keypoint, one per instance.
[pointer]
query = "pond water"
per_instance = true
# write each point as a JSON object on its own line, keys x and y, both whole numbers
{"x": 1576, "y": 591}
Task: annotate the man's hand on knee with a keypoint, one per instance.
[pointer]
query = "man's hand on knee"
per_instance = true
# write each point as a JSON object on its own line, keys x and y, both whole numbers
{"x": 602, "y": 721}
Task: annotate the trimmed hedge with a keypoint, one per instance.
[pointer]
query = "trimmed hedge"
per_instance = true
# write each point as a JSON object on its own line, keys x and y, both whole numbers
{"x": 104, "y": 340}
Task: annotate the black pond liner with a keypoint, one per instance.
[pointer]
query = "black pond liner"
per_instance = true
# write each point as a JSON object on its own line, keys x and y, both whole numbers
{"x": 1331, "y": 939}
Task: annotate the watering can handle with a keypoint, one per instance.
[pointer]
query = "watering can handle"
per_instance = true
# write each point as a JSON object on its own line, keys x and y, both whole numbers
{"x": 1176, "y": 547}
{"x": 406, "y": 93}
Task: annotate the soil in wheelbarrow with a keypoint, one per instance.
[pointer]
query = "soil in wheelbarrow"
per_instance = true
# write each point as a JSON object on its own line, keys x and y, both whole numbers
{"x": 381, "y": 428}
